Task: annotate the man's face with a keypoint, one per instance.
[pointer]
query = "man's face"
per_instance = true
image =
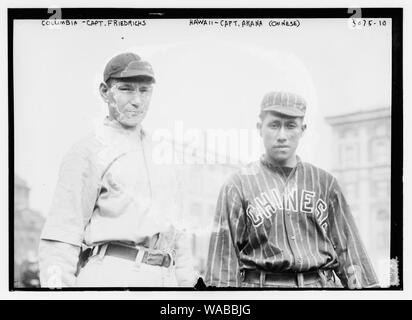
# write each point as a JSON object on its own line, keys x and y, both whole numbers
{"x": 281, "y": 134}
{"x": 128, "y": 100}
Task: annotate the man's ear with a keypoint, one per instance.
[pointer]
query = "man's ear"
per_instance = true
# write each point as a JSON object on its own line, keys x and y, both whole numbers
{"x": 104, "y": 90}
{"x": 259, "y": 127}
{"x": 303, "y": 128}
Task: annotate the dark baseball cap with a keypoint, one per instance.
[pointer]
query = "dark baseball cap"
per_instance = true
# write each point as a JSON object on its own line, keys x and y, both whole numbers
{"x": 127, "y": 65}
{"x": 287, "y": 103}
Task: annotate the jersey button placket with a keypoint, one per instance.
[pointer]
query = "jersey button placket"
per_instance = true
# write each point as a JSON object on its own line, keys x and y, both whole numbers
{"x": 289, "y": 230}
{"x": 290, "y": 234}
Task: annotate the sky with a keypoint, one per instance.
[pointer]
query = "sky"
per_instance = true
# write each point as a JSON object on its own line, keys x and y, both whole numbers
{"x": 207, "y": 77}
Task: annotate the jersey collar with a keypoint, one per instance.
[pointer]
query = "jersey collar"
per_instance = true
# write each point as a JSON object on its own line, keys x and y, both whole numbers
{"x": 117, "y": 126}
{"x": 275, "y": 167}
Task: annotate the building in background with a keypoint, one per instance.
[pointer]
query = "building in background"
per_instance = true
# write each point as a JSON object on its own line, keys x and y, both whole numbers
{"x": 27, "y": 227}
{"x": 200, "y": 183}
{"x": 200, "y": 189}
{"x": 362, "y": 165}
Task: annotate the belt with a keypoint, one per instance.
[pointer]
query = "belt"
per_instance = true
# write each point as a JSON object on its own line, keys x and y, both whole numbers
{"x": 140, "y": 255}
{"x": 285, "y": 278}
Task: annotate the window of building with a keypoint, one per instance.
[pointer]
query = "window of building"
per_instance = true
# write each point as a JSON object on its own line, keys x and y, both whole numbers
{"x": 347, "y": 132}
{"x": 379, "y": 151}
{"x": 341, "y": 134}
{"x": 348, "y": 155}
{"x": 380, "y": 130}
{"x": 380, "y": 189}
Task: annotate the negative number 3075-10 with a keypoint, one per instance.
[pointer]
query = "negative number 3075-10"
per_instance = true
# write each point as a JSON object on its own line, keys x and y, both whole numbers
{"x": 368, "y": 22}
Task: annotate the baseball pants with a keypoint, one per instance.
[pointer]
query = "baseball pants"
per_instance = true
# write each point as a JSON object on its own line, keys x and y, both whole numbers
{"x": 111, "y": 271}
{"x": 321, "y": 282}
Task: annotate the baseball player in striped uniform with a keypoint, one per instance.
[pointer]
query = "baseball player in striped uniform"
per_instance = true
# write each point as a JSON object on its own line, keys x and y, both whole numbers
{"x": 282, "y": 222}
{"x": 112, "y": 221}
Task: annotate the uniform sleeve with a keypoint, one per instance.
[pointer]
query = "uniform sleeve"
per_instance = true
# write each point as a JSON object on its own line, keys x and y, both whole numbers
{"x": 57, "y": 264}
{"x": 354, "y": 267}
{"x": 73, "y": 200}
{"x": 222, "y": 268}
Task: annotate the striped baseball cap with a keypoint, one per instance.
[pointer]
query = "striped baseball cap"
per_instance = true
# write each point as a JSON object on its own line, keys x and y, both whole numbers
{"x": 127, "y": 65}
{"x": 287, "y": 103}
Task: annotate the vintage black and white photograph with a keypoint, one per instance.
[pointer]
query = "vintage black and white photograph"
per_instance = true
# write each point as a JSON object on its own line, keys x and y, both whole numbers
{"x": 205, "y": 149}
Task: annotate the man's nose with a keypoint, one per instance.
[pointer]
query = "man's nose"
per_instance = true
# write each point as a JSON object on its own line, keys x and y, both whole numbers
{"x": 282, "y": 134}
{"x": 136, "y": 99}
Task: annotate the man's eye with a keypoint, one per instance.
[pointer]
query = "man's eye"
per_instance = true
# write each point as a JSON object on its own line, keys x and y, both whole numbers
{"x": 144, "y": 90}
{"x": 291, "y": 125}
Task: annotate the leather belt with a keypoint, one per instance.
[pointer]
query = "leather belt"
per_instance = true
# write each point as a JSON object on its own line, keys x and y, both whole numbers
{"x": 285, "y": 278}
{"x": 140, "y": 255}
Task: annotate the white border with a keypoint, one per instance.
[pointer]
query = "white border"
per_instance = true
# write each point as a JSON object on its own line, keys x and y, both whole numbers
{"x": 238, "y": 295}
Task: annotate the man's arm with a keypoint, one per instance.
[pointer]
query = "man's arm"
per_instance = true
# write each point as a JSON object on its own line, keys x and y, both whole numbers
{"x": 355, "y": 269}
{"x": 71, "y": 209}
{"x": 222, "y": 268}
{"x": 57, "y": 263}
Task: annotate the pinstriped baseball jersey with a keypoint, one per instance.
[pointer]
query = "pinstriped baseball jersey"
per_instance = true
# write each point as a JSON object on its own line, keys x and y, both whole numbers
{"x": 268, "y": 220}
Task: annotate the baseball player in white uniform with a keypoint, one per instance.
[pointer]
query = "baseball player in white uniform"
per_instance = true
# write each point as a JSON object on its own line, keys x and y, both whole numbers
{"x": 112, "y": 220}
